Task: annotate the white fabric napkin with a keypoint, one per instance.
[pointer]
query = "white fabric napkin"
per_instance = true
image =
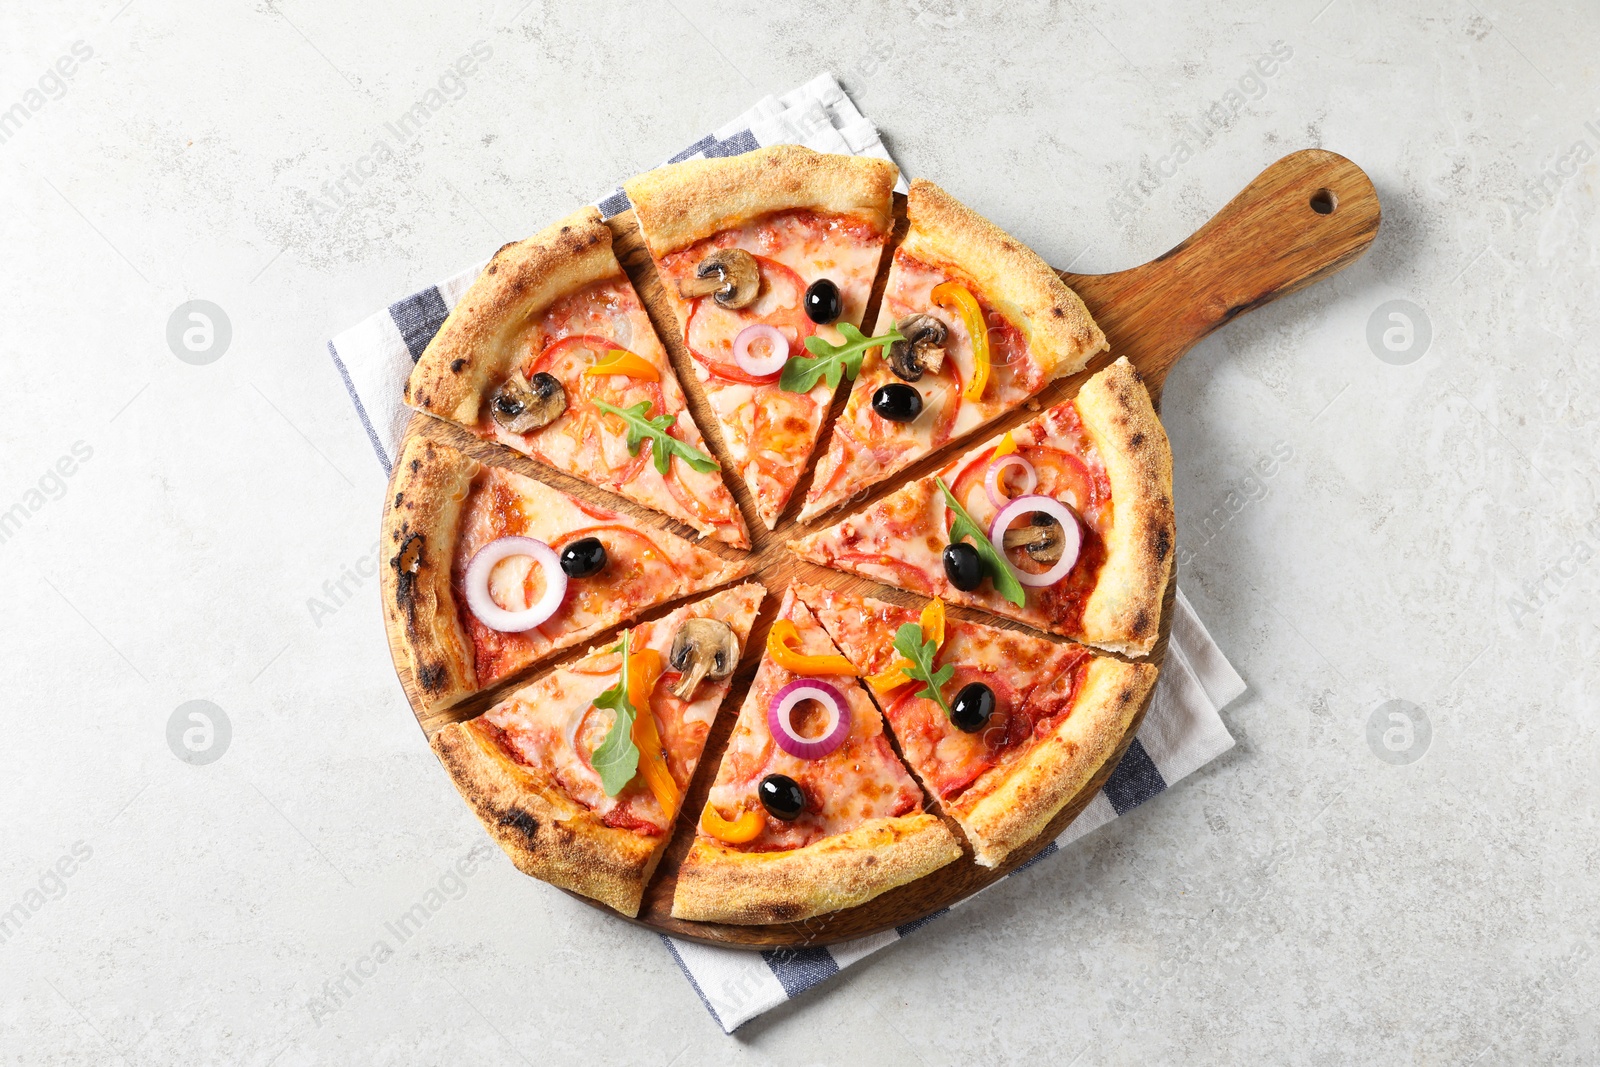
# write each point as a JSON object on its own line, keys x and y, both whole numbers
{"x": 1181, "y": 732}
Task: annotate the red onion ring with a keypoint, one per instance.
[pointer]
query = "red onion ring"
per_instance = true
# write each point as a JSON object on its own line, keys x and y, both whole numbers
{"x": 751, "y": 363}
{"x": 991, "y": 481}
{"x": 476, "y": 584}
{"x": 1070, "y": 530}
{"x": 781, "y": 727}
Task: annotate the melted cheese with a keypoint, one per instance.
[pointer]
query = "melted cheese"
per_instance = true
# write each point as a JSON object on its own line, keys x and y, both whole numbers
{"x": 881, "y": 447}
{"x": 1033, "y": 680}
{"x": 552, "y": 724}
{"x": 861, "y": 779}
{"x": 643, "y": 567}
{"x": 770, "y": 453}
{"x": 900, "y": 539}
{"x": 595, "y": 448}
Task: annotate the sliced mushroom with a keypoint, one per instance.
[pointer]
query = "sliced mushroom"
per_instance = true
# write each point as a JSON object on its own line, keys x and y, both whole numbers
{"x": 1043, "y": 540}
{"x": 922, "y": 351}
{"x": 522, "y": 405}
{"x": 702, "y": 648}
{"x": 730, "y": 274}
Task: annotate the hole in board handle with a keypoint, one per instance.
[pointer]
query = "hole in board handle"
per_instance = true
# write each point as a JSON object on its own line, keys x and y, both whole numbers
{"x": 1323, "y": 201}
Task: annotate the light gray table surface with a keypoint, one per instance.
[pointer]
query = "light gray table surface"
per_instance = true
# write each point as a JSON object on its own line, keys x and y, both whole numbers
{"x": 1359, "y": 881}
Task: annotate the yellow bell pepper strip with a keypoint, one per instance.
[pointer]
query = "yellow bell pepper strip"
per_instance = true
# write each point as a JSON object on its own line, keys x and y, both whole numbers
{"x": 621, "y": 361}
{"x": 932, "y": 622}
{"x": 953, "y": 296}
{"x": 893, "y": 678}
{"x": 644, "y": 669}
{"x": 781, "y": 642}
{"x": 1007, "y": 445}
{"x": 744, "y": 829}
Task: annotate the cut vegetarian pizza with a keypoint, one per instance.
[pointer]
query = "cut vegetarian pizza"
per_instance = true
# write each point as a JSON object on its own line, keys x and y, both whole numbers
{"x": 979, "y": 324}
{"x": 768, "y": 259}
{"x": 550, "y": 352}
{"x": 1064, "y": 523}
{"x": 811, "y": 810}
{"x": 1003, "y": 728}
{"x": 489, "y": 571}
{"x": 871, "y": 737}
{"x": 579, "y": 777}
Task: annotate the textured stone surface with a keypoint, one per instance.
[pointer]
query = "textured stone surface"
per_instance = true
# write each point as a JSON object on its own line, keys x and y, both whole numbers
{"x": 1427, "y": 533}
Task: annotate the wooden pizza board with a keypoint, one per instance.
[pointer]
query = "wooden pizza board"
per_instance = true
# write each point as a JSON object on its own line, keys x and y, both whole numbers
{"x": 1305, "y": 217}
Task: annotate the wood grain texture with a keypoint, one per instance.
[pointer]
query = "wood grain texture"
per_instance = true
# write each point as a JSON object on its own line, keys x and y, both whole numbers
{"x": 1307, "y": 216}
{"x": 1269, "y": 241}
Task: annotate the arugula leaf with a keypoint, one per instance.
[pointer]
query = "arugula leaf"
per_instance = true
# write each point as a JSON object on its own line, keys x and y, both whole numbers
{"x": 830, "y": 362}
{"x": 908, "y": 641}
{"x": 663, "y": 445}
{"x": 616, "y": 760}
{"x": 1005, "y": 583}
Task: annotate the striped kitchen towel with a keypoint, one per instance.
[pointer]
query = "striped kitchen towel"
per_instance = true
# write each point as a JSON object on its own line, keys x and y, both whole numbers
{"x": 1181, "y": 732}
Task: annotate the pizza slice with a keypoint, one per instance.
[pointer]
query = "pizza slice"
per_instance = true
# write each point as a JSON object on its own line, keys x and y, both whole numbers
{"x": 1013, "y": 725}
{"x": 811, "y": 811}
{"x": 982, "y": 324}
{"x": 1064, "y": 523}
{"x": 551, "y": 353}
{"x": 579, "y": 776}
{"x": 768, "y": 258}
{"x": 490, "y": 571}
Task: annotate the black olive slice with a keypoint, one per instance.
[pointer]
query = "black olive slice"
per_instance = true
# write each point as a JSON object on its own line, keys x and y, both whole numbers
{"x": 973, "y": 707}
{"x": 897, "y": 403}
{"x": 782, "y": 797}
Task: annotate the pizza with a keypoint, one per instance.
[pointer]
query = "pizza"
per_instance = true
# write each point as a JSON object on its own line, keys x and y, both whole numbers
{"x": 982, "y": 325}
{"x": 551, "y": 353}
{"x": 763, "y": 256}
{"x": 811, "y": 810}
{"x": 1015, "y": 729}
{"x": 580, "y": 776}
{"x": 489, "y": 571}
{"x": 1065, "y": 523}
{"x": 875, "y": 743}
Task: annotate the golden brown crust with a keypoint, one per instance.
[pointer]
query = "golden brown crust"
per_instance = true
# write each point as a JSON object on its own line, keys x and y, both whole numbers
{"x": 476, "y": 345}
{"x": 1123, "y": 613}
{"x": 682, "y": 203}
{"x": 1062, "y": 336}
{"x": 418, "y": 549}
{"x": 1030, "y": 793}
{"x": 719, "y": 884}
{"x": 545, "y": 832}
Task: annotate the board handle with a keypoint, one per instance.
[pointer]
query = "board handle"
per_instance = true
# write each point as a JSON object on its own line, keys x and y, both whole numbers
{"x": 1311, "y": 213}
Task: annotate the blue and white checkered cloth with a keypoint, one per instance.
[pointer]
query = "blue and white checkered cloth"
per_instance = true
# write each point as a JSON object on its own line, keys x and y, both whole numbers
{"x": 1181, "y": 732}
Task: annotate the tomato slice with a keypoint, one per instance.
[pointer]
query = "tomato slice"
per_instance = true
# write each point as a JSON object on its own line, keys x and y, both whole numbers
{"x": 1064, "y": 476}
{"x": 686, "y": 497}
{"x": 710, "y": 330}
{"x": 941, "y": 387}
{"x": 784, "y": 425}
{"x": 910, "y": 577}
{"x": 636, "y": 570}
{"x": 678, "y": 738}
{"x": 848, "y": 447}
{"x": 1008, "y": 351}
{"x": 568, "y": 357}
{"x": 566, "y": 360}
{"x": 726, "y": 371}
{"x": 971, "y": 475}
{"x": 594, "y": 511}
{"x": 623, "y": 817}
